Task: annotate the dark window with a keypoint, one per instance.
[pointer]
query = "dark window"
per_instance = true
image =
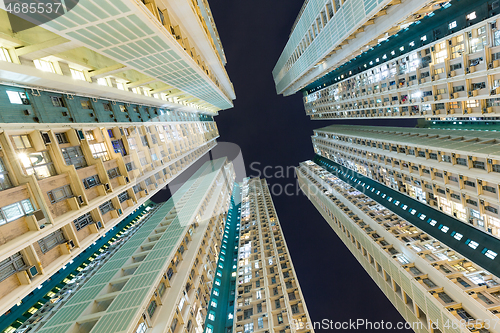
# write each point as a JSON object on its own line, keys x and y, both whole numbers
{"x": 461, "y": 161}
{"x": 107, "y": 106}
{"x": 113, "y": 173}
{"x": 12, "y": 265}
{"x": 61, "y": 138}
{"x": 106, "y": 207}
{"x": 152, "y": 308}
{"x": 4, "y": 177}
{"x": 123, "y": 196}
{"x": 91, "y": 181}
{"x": 74, "y": 156}
{"x": 57, "y": 101}
{"x": 49, "y": 242}
{"x": 60, "y": 194}
{"x": 118, "y": 147}
{"x": 130, "y": 166}
{"x": 489, "y": 189}
{"x": 478, "y": 165}
{"x": 469, "y": 183}
{"x": 83, "y": 221}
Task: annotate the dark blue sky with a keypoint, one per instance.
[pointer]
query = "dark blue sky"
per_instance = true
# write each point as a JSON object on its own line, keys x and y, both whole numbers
{"x": 275, "y": 132}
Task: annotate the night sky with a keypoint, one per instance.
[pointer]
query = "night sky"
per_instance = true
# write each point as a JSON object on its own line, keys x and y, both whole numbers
{"x": 274, "y": 131}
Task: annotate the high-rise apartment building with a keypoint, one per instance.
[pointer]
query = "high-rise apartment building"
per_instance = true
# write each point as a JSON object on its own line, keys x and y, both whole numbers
{"x": 455, "y": 171}
{"x": 439, "y": 63}
{"x": 211, "y": 259}
{"x": 100, "y": 109}
{"x": 440, "y": 274}
{"x": 269, "y": 297}
{"x": 160, "y": 278}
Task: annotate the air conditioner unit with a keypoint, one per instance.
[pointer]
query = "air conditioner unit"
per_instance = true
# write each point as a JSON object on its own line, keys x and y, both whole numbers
{"x": 120, "y": 212}
{"x": 80, "y": 200}
{"x": 99, "y": 224}
{"x": 470, "y": 93}
{"x": 127, "y": 180}
{"x": 467, "y": 70}
{"x": 107, "y": 187}
{"x": 32, "y": 271}
{"x": 27, "y": 112}
{"x": 490, "y": 65}
{"x": 71, "y": 244}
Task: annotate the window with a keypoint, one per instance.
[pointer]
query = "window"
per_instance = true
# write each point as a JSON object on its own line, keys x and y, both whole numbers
{"x": 130, "y": 166}
{"x": 57, "y": 101}
{"x": 151, "y": 311}
{"x": 4, "y": 54}
{"x": 4, "y": 177}
{"x": 46, "y": 66}
{"x": 461, "y": 161}
{"x": 16, "y": 210}
{"x": 248, "y": 328}
{"x": 16, "y": 97}
{"x": 61, "y": 138}
{"x": 86, "y": 104}
{"x": 77, "y": 74}
{"x": 21, "y": 141}
{"x": 118, "y": 147}
{"x": 83, "y": 221}
{"x": 141, "y": 328}
{"x": 445, "y": 298}
{"x": 123, "y": 196}
{"x": 52, "y": 240}
{"x": 12, "y": 265}
{"x": 99, "y": 151}
{"x": 39, "y": 164}
{"x": 106, "y": 207}
{"x": 489, "y": 189}
{"x": 137, "y": 188}
{"x": 102, "y": 81}
{"x": 144, "y": 141}
{"x": 60, "y": 194}
{"x": 113, "y": 173}
{"x": 74, "y": 156}
{"x": 491, "y": 209}
{"x": 478, "y": 165}
{"x": 91, "y": 181}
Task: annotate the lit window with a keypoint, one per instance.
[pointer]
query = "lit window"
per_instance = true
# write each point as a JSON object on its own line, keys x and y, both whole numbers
{"x": 473, "y": 244}
{"x": 445, "y": 229}
{"x": 490, "y": 254}
{"x": 16, "y": 97}
{"x": 423, "y": 38}
{"x": 120, "y": 85}
{"x": 402, "y": 48}
{"x": 433, "y": 222}
{"x": 77, "y": 74}
{"x": 102, "y": 82}
{"x": 412, "y": 44}
{"x": 4, "y": 55}
{"x": 452, "y": 25}
{"x": 471, "y": 16}
{"x": 458, "y": 236}
{"x": 44, "y": 65}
